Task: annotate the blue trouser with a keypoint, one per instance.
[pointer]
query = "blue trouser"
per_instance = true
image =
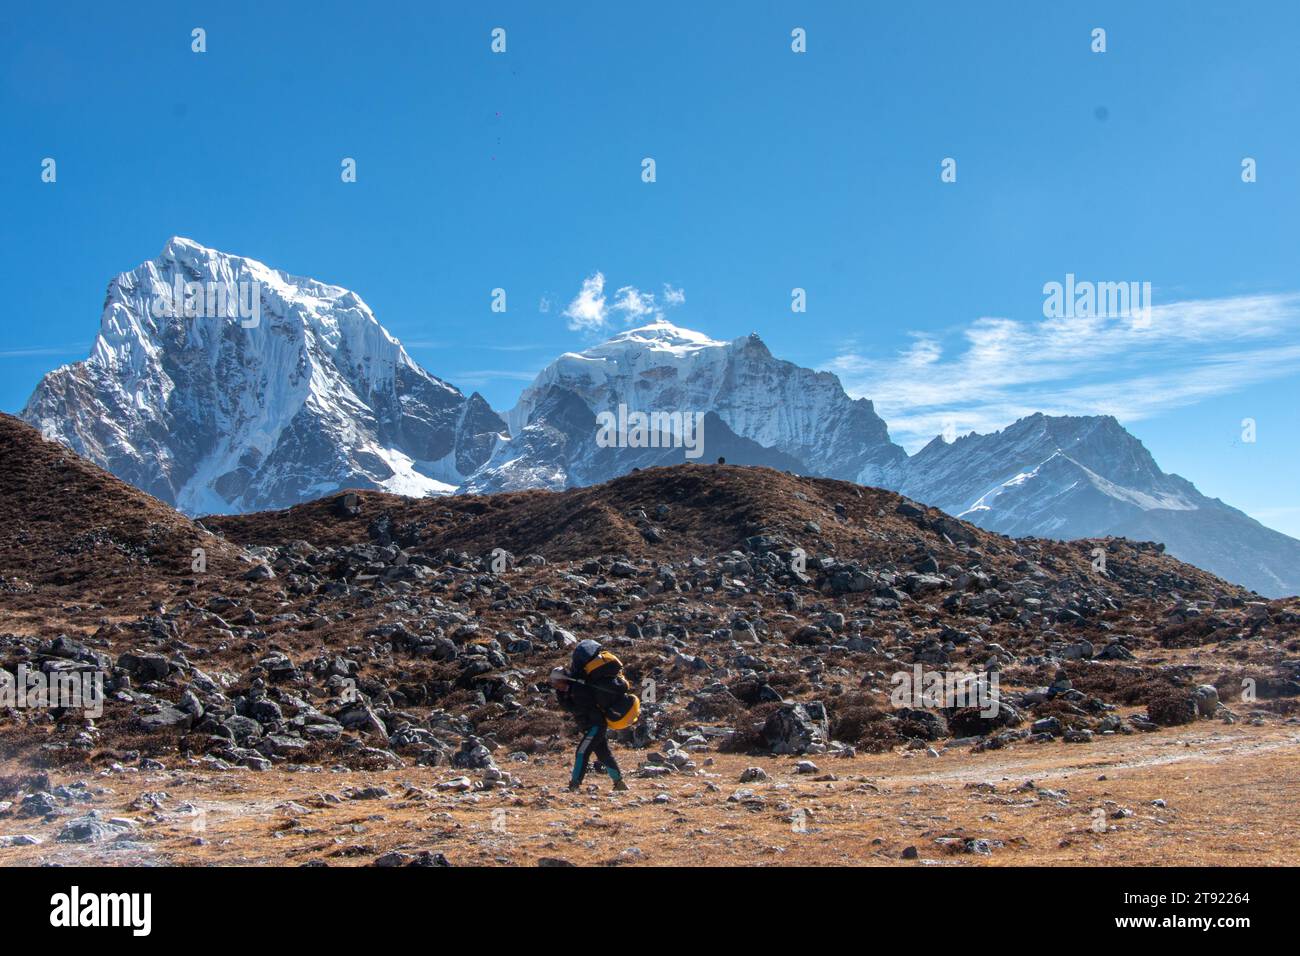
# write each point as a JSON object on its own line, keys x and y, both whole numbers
{"x": 594, "y": 741}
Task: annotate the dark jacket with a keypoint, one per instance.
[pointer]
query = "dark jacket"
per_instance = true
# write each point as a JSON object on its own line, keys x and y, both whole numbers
{"x": 580, "y": 701}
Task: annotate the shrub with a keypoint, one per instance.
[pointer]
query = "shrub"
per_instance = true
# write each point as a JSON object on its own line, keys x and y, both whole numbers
{"x": 1169, "y": 708}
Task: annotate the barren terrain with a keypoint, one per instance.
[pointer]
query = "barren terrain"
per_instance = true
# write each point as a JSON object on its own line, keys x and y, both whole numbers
{"x": 1207, "y": 796}
{"x": 362, "y": 679}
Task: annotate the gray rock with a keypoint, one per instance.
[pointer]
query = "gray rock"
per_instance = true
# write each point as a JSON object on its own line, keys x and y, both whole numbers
{"x": 1207, "y": 700}
{"x": 167, "y": 718}
{"x": 358, "y": 716}
{"x": 792, "y": 729}
{"x": 91, "y": 829}
{"x": 1048, "y": 725}
{"x": 266, "y": 711}
{"x": 473, "y": 755}
{"x": 37, "y": 805}
{"x": 144, "y": 667}
{"x": 20, "y": 839}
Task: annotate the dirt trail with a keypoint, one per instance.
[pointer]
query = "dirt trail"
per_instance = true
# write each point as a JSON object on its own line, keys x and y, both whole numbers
{"x": 1198, "y": 795}
{"x": 1202, "y": 746}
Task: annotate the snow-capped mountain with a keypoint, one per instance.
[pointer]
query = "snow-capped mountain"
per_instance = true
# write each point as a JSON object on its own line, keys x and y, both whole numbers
{"x": 1058, "y": 477}
{"x": 756, "y": 409}
{"x": 219, "y": 384}
{"x": 1083, "y": 477}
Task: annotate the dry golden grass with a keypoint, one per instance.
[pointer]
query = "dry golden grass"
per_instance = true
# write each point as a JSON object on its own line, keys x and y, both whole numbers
{"x": 1229, "y": 794}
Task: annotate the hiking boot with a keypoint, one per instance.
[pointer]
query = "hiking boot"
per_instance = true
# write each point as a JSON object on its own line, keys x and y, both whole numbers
{"x": 573, "y": 787}
{"x": 620, "y": 784}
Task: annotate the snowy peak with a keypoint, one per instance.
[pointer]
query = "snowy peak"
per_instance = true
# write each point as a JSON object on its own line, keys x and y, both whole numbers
{"x": 1085, "y": 477}
{"x": 659, "y": 336}
{"x": 1098, "y": 441}
{"x": 764, "y": 408}
{"x": 219, "y": 384}
{"x": 968, "y": 474}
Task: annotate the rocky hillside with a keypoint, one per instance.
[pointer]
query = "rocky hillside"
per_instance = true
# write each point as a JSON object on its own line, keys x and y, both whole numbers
{"x": 771, "y": 613}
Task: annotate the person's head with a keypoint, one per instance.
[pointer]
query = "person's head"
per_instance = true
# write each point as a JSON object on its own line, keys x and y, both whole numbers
{"x": 559, "y": 678}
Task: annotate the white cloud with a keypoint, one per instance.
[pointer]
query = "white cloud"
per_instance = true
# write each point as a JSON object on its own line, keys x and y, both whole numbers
{"x": 590, "y": 311}
{"x": 634, "y": 304}
{"x": 587, "y": 312}
{"x": 1003, "y": 369}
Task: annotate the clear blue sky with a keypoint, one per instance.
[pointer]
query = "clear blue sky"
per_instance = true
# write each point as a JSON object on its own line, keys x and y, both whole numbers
{"x": 775, "y": 170}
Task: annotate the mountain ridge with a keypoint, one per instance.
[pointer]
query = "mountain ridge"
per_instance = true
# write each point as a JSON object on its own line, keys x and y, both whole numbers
{"x": 311, "y": 394}
{"x": 1088, "y": 476}
{"x": 662, "y": 367}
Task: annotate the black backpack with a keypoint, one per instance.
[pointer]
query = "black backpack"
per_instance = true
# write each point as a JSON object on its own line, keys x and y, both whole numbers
{"x": 602, "y": 672}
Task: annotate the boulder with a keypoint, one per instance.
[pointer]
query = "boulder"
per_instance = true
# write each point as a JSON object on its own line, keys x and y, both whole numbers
{"x": 792, "y": 729}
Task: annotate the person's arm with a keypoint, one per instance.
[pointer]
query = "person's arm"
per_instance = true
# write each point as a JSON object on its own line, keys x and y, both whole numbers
{"x": 584, "y": 705}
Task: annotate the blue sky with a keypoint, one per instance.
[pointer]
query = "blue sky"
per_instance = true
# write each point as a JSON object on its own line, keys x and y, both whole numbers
{"x": 775, "y": 170}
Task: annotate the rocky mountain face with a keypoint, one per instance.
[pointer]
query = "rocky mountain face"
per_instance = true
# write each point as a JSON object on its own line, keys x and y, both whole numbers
{"x": 290, "y": 390}
{"x": 1076, "y": 477}
{"x": 757, "y": 410}
{"x": 1055, "y": 477}
{"x": 218, "y": 385}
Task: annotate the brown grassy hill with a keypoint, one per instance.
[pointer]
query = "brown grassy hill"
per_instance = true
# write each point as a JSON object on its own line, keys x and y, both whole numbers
{"x": 376, "y": 632}
{"x": 669, "y": 513}
{"x": 68, "y": 525}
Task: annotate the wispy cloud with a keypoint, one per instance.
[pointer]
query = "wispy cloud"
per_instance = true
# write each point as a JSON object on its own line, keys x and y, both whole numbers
{"x": 1003, "y": 369}
{"x": 591, "y": 311}
{"x": 37, "y": 351}
{"x": 442, "y": 344}
{"x": 479, "y": 377}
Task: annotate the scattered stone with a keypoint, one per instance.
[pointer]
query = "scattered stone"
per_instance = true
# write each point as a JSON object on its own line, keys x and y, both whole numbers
{"x": 793, "y": 729}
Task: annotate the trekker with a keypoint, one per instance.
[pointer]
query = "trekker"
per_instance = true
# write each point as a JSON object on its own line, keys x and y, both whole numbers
{"x": 595, "y": 691}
